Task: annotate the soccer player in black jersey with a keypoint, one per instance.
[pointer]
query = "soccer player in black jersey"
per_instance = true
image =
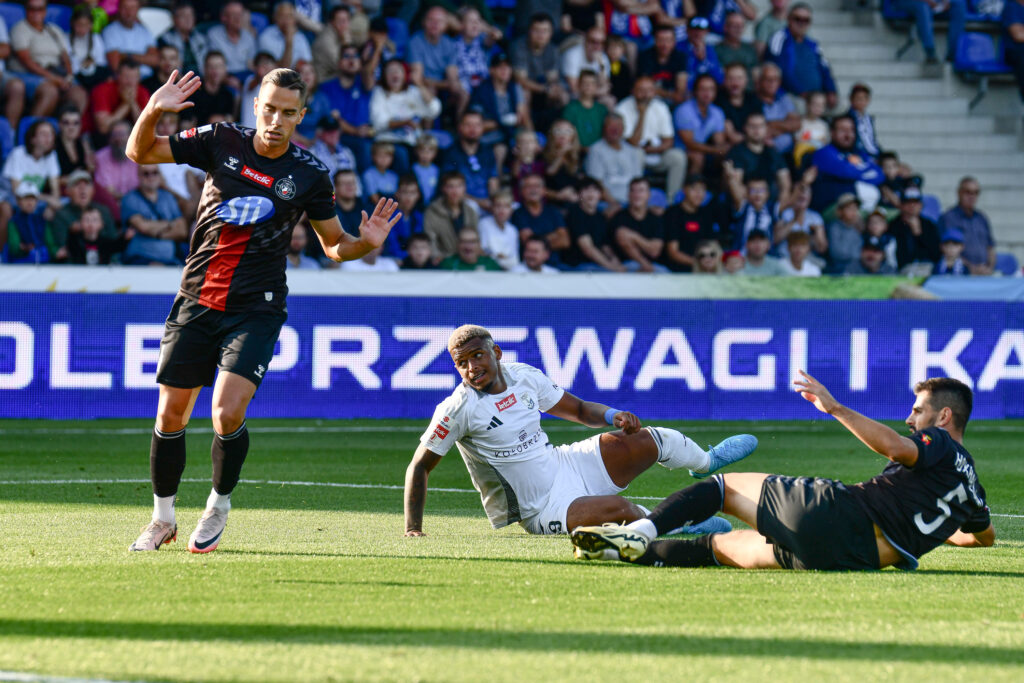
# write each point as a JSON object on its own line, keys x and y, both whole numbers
{"x": 231, "y": 304}
{"x": 927, "y": 495}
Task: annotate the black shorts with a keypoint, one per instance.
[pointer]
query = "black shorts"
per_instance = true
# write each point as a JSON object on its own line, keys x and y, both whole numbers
{"x": 197, "y": 340}
{"x": 815, "y": 524}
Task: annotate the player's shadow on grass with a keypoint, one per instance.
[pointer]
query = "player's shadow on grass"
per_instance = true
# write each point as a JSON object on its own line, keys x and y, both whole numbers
{"x": 508, "y": 639}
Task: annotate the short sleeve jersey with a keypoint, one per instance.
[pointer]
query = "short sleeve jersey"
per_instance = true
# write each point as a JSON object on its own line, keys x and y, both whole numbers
{"x": 919, "y": 507}
{"x": 250, "y": 204}
{"x": 500, "y": 438}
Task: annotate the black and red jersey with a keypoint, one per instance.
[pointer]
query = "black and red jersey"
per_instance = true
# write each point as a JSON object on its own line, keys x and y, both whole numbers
{"x": 250, "y": 205}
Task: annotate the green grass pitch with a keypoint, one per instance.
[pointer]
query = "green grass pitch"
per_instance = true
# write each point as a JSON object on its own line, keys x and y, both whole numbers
{"x": 316, "y": 583}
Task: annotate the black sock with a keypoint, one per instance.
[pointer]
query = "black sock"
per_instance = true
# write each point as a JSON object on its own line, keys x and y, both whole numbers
{"x": 166, "y": 461}
{"x": 680, "y": 553}
{"x": 691, "y": 505}
{"x": 228, "y": 453}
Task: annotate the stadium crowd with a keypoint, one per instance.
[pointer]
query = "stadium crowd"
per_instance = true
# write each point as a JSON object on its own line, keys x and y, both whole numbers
{"x": 535, "y": 136}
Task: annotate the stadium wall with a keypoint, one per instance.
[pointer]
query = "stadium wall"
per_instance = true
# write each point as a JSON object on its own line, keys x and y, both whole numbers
{"x": 93, "y": 355}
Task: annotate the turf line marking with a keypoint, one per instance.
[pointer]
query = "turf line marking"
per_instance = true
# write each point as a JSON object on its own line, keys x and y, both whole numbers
{"x": 282, "y": 482}
{"x": 15, "y": 676}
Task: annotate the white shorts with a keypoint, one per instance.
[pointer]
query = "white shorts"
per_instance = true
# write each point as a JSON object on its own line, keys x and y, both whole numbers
{"x": 581, "y": 472}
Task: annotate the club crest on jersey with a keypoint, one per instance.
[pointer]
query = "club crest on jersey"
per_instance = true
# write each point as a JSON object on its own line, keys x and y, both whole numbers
{"x": 505, "y": 403}
{"x": 285, "y": 188}
{"x": 440, "y": 432}
{"x": 926, "y": 439}
{"x": 530, "y": 404}
{"x": 192, "y": 132}
{"x": 257, "y": 177}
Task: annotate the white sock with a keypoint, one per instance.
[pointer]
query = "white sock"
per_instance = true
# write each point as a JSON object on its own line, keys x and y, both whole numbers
{"x": 676, "y": 451}
{"x": 163, "y": 508}
{"x": 218, "y": 501}
{"x": 645, "y": 528}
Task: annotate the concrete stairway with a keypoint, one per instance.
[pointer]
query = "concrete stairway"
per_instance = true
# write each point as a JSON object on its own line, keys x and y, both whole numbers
{"x": 922, "y": 113}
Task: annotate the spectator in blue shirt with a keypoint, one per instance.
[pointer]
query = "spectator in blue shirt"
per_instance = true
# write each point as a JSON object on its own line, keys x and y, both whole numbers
{"x": 1012, "y": 21}
{"x": 779, "y": 110}
{"x": 842, "y": 169}
{"x": 535, "y": 218}
{"x": 431, "y": 56}
{"x": 700, "y": 125}
{"x": 700, "y": 58}
{"x": 154, "y": 215}
{"x": 411, "y": 222}
{"x": 473, "y": 159}
{"x": 379, "y": 180}
{"x": 125, "y": 36}
{"x": 348, "y": 100}
{"x": 922, "y": 11}
{"x": 979, "y": 252}
{"x": 804, "y": 67}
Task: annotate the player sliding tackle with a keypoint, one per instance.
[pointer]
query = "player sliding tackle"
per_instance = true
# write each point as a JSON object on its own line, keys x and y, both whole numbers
{"x": 494, "y": 419}
{"x": 231, "y": 305}
{"x": 928, "y": 494}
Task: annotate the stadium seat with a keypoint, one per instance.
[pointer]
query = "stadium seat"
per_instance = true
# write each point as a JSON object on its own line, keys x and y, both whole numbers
{"x": 259, "y": 21}
{"x": 398, "y": 32}
{"x": 11, "y": 13}
{"x": 27, "y": 121}
{"x": 931, "y": 207}
{"x": 658, "y": 199}
{"x": 156, "y": 20}
{"x": 978, "y": 58}
{"x": 1007, "y": 264}
{"x": 60, "y": 15}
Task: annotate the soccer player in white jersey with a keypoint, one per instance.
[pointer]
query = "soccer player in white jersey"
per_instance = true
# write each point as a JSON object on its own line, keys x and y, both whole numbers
{"x": 493, "y": 418}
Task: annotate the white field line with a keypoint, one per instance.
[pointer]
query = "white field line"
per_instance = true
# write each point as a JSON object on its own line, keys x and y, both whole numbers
{"x": 280, "y": 482}
{"x": 14, "y": 676}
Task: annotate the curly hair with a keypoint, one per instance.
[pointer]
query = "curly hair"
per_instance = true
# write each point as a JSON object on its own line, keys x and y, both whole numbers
{"x": 466, "y": 333}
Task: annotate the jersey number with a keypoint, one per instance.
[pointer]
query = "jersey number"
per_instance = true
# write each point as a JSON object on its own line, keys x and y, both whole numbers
{"x": 943, "y": 503}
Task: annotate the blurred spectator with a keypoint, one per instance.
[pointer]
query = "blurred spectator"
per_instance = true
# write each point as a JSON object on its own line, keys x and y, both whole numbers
{"x": 845, "y": 234}
{"x": 13, "y": 91}
{"x": 733, "y": 49}
{"x": 499, "y": 237}
{"x": 283, "y": 39}
{"x": 562, "y": 163}
{"x": 215, "y": 103}
{"x": 614, "y": 162}
{"x": 701, "y": 127}
{"x": 184, "y": 182}
{"x": 348, "y": 98}
{"x": 917, "y": 238}
{"x": 733, "y": 262}
{"x": 898, "y": 177}
{"x": 153, "y": 214}
{"x": 621, "y": 79}
{"x": 419, "y": 257}
{"x": 860, "y": 100}
{"x": 979, "y": 249}
{"x": 448, "y": 214}
{"x": 431, "y": 54}
{"x": 752, "y": 205}
{"x": 535, "y": 64}
{"x": 371, "y": 262}
{"x": 87, "y": 51}
{"x": 328, "y": 149}
{"x": 536, "y": 218}
{"x": 120, "y": 99}
{"x": 525, "y": 160}
{"x": 100, "y": 15}
{"x": 125, "y": 37}
{"x": 579, "y": 16}
{"x": 170, "y": 60}
{"x": 922, "y": 11}
{"x": 666, "y": 66}
{"x": 648, "y": 126}
{"x": 349, "y": 205}
{"x": 316, "y": 107}
{"x": 638, "y": 233}
{"x": 700, "y": 57}
{"x": 468, "y": 254}
{"x": 813, "y": 133}
{"x": 472, "y": 48}
{"x": 411, "y": 222}
{"x": 400, "y": 111}
{"x": 797, "y": 215}
{"x": 308, "y": 14}
{"x": 708, "y": 258}
{"x": 535, "y": 258}
{"x": 192, "y": 44}
{"x": 753, "y": 157}
{"x": 736, "y": 102}
{"x": 233, "y": 40}
{"x": 589, "y": 56}
{"x": 952, "y": 246}
{"x": 717, "y": 11}
{"x": 1012, "y": 22}
{"x": 841, "y": 169}
{"x": 475, "y": 161}
{"x": 26, "y": 233}
{"x": 502, "y": 106}
{"x": 296, "y": 258}
{"x": 804, "y": 67}
{"x": 876, "y": 225}
{"x": 74, "y": 150}
{"x": 798, "y": 263}
{"x": 758, "y": 262}
{"x": 779, "y": 111}
{"x": 871, "y": 260}
{"x": 67, "y": 222}
{"x": 769, "y": 24}
{"x": 36, "y": 163}
{"x": 380, "y": 180}
{"x": 631, "y": 22}
{"x": 250, "y": 91}
{"x": 590, "y": 248}
{"x": 39, "y": 56}
{"x": 327, "y": 46}
{"x": 585, "y": 113}
{"x": 687, "y": 223}
{"x": 89, "y": 246}
{"x": 526, "y": 10}
{"x": 425, "y": 170}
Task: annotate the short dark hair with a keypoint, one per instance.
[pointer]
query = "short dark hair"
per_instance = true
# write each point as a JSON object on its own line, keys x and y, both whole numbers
{"x": 889, "y": 154}
{"x": 540, "y": 18}
{"x": 213, "y": 54}
{"x": 589, "y": 73}
{"x": 946, "y": 392}
{"x": 339, "y": 8}
{"x": 537, "y": 238}
{"x": 860, "y": 87}
{"x": 638, "y": 180}
{"x": 704, "y": 77}
{"x": 449, "y": 176}
{"x": 588, "y": 181}
{"x": 417, "y": 237}
{"x": 664, "y": 27}
{"x": 127, "y": 63}
{"x": 842, "y": 117}
{"x": 408, "y": 179}
{"x": 285, "y": 78}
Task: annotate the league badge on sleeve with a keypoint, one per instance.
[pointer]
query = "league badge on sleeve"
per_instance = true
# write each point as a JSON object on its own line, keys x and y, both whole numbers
{"x": 285, "y": 188}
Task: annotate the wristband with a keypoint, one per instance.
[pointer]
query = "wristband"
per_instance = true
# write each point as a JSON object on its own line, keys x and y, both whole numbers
{"x": 609, "y": 415}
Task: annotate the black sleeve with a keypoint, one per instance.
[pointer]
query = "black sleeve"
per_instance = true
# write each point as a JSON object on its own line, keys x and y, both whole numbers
{"x": 977, "y": 522}
{"x": 932, "y": 445}
{"x": 195, "y": 146}
{"x": 320, "y": 202}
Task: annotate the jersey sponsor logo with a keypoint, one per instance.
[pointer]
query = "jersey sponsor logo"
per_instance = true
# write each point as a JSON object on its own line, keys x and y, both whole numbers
{"x": 692, "y": 226}
{"x": 192, "y": 132}
{"x": 232, "y": 163}
{"x": 285, "y": 188}
{"x": 506, "y": 403}
{"x": 257, "y": 177}
{"x": 440, "y": 431}
{"x": 926, "y": 439}
{"x": 245, "y": 210}
{"x": 495, "y": 422}
{"x": 522, "y": 435}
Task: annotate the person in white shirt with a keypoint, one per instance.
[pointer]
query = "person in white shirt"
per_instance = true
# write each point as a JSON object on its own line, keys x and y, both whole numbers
{"x": 283, "y": 39}
{"x": 498, "y": 237}
{"x": 648, "y": 123}
{"x": 588, "y": 55}
{"x": 535, "y": 257}
{"x": 798, "y": 264}
{"x": 493, "y": 417}
{"x": 372, "y": 262}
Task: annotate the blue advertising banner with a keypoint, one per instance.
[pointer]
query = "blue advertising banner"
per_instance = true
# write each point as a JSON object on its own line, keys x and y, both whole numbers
{"x": 83, "y": 356}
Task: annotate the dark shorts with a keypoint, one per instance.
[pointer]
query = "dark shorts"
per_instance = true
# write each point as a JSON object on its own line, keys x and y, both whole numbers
{"x": 198, "y": 340}
{"x": 815, "y": 524}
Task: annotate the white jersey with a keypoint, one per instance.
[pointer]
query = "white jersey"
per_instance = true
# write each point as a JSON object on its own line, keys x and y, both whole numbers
{"x": 507, "y": 453}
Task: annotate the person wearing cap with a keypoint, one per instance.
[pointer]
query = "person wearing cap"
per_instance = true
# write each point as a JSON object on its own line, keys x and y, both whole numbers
{"x": 648, "y": 126}
{"x": 804, "y": 67}
{"x": 871, "y": 260}
{"x": 27, "y": 234}
{"x": 759, "y": 263}
{"x": 67, "y": 220}
{"x": 845, "y": 233}
{"x": 917, "y": 237}
{"x": 699, "y": 57}
{"x": 952, "y": 246}
{"x": 689, "y": 222}
{"x": 666, "y": 65}
{"x": 733, "y": 262}
{"x": 588, "y": 56}
{"x": 979, "y": 247}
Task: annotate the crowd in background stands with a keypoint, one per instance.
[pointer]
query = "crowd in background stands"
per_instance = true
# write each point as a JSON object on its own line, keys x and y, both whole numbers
{"x": 585, "y": 135}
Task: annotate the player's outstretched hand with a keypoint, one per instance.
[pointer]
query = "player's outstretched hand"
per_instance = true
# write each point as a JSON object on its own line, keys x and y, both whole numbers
{"x": 815, "y": 392}
{"x": 173, "y": 95}
{"x": 374, "y": 228}
{"x": 627, "y": 422}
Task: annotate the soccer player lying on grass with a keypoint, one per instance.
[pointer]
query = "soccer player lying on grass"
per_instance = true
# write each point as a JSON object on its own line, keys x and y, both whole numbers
{"x": 494, "y": 419}
{"x": 928, "y": 494}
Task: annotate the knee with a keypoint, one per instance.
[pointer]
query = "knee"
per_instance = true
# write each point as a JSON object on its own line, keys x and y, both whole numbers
{"x": 226, "y": 419}
{"x": 170, "y": 418}
{"x": 14, "y": 88}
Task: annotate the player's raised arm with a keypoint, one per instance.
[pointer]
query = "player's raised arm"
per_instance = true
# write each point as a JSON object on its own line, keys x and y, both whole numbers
{"x": 875, "y": 435}
{"x": 373, "y": 230}
{"x": 144, "y": 145}
{"x": 423, "y": 461}
{"x": 593, "y": 414}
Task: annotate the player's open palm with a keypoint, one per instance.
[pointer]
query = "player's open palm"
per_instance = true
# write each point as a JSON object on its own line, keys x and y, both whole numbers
{"x": 374, "y": 228}
{"x": 173, "y": 95}
{"x": 815, "y": 392}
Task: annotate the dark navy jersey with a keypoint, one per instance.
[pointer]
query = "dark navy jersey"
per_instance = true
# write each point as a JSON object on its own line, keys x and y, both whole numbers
{"x": 919, "y": 507}
{"x": 249, "y": 206}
